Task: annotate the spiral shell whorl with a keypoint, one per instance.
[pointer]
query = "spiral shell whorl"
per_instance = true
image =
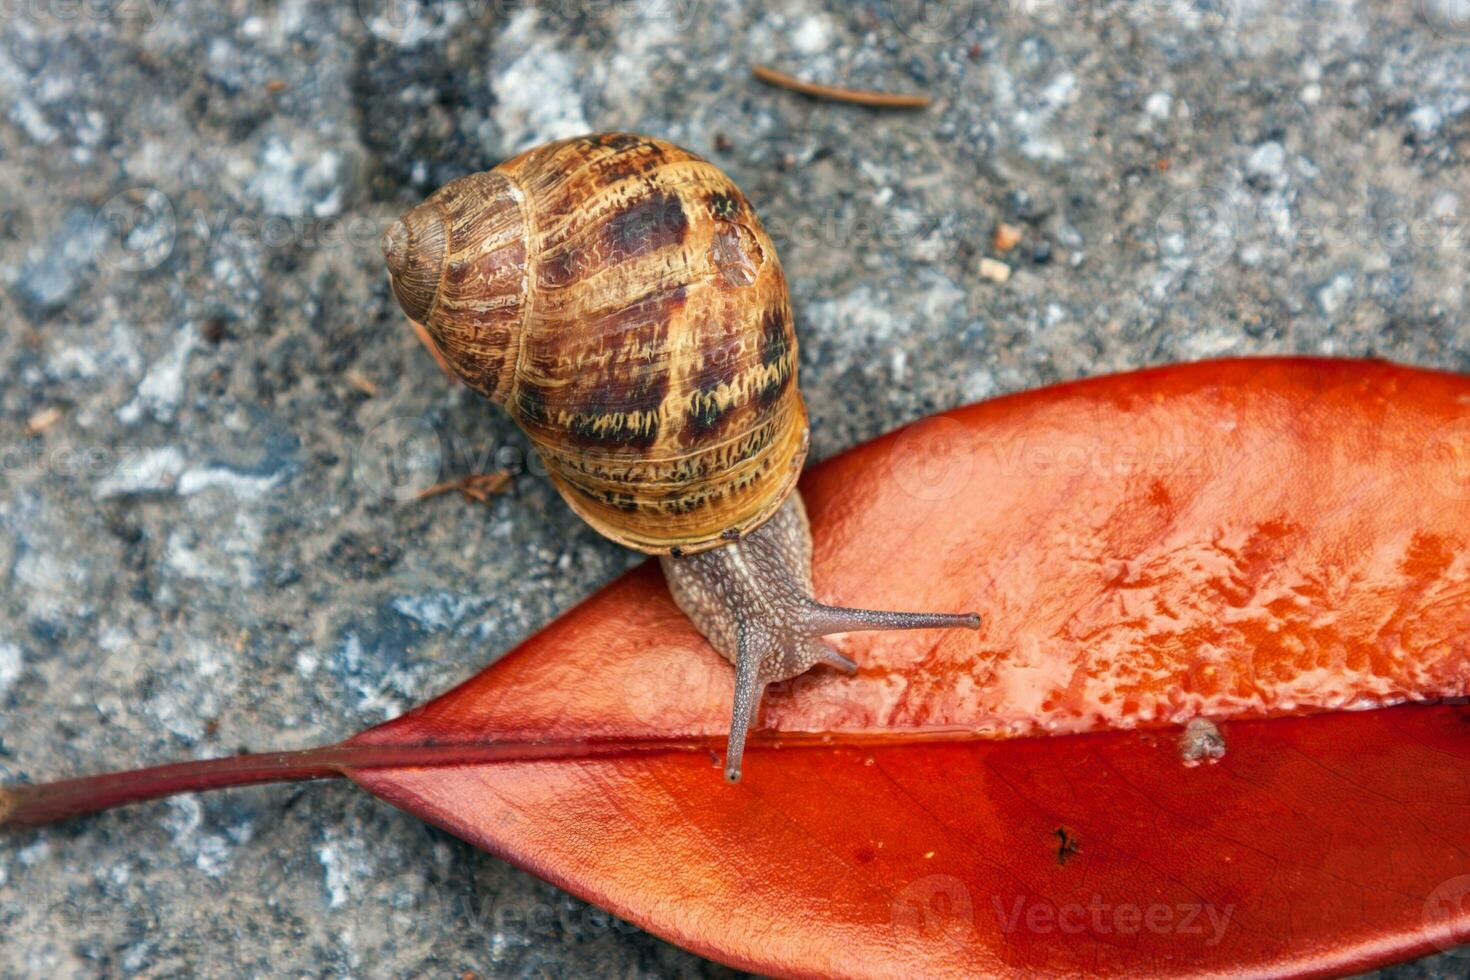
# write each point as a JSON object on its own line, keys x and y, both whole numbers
{"x": 457, "y": 264}
{"x": 414, "y": 249}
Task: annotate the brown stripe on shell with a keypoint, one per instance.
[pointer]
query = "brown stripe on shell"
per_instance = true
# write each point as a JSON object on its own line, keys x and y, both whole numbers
{"x": 617, "y": 141}
{"x": 675, "y": 475}
{"x": 617, "y": 377}
{"x": 622, "y": 500}
{"x": 647, "y": 225}
{"x": 665, "y": 425}
{"x": 638, "y": 159}
{"x": 776, "y": 334}
{"x": 528, "y": 405}
{"x": 710, "y": 412}
{"x": 577, "y": 205}
{"x": 563, "y": 176}
{"x": 726, "y": 203}
{"x": 590, "y": 251}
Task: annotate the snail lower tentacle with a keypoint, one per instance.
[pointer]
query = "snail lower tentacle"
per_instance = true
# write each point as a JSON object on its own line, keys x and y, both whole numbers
{"x": 753, "y": 600}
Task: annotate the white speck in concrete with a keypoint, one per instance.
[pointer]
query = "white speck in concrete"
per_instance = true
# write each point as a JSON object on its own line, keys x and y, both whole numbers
{"x": 53, "y": 581}
{"x": 1335, "y": 294}
{"x": 1158, "y": 105}
{"x": 436, "y": 610}
{"x": 119, "y": 356}
{"x": 28, "y": 116}
{"x": 162, "y": 388}
{"x": 201, "y": 681}
{"x": 812, "y": 35}
{"x": 860, "y": 313}
{"x": 1030, "y": 126}
{"x": 978, "y": 385}
{"x": 227, "y": 556}
{"x": 337, "y": 877}
{"x": 1061, "y": 90}
{"x": 344, "y": 864}
{"x": 1209, "y": 343}
{"x": 1267, "y": 163}
{"x": 537, "y": 98}
{"x": 381, "y": 689}
{"x": 298, "y": 179}
{"x": 241, "y": 485}
{"x": 12, "y": 661}
{"x": 147, "y": 471}
{"x": 870, "y": 313}
{"x": 1446, "y": 203}
{"x": 137, "y": 956}
{"x": 33, "y": 854}
{"x": 646, "y": 37}
{"x": 209, "y": 852}
{"x": 1426, "y": 120}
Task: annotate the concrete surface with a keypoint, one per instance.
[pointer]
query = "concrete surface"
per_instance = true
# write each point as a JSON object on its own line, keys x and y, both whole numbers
{"x": 205, "y": 547}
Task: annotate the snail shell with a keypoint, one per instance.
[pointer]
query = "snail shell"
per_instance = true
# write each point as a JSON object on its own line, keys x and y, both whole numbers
{"x": 619, "y": 297}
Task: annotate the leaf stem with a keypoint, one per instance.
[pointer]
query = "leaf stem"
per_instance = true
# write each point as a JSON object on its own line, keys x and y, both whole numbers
{"x": 43, "y": 803}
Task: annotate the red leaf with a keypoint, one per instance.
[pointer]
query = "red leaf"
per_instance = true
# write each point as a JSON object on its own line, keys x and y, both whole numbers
{"x": 1239, "y": 539}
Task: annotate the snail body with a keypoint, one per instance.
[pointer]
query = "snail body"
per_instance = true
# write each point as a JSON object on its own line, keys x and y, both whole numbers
{"x": 618, "y": 296}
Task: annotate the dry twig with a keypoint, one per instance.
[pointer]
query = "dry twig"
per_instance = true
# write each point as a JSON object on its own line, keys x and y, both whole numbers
{"x": 881, "y": 100}
{"x": 478, "y": 486}
{"x": 361, "y": 382}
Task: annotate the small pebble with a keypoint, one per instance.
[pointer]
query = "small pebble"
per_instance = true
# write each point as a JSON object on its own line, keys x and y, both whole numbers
{"x": 994, "y": 270}
{"x": 1266, "y": 166}
{"x": 1201, "y": 742}
{"x": 1158, "y": 105}
{"x": 42, "y": 420}
{"x": 1006, "y": 237}
{"x": 1335, "y": 294}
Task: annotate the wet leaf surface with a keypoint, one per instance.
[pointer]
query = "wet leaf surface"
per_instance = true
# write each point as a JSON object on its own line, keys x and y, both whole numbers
{"x": 1264, "y": 543}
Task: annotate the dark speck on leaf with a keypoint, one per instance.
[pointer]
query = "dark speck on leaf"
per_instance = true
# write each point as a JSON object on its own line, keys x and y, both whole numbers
{"x": 1067, "y": 845}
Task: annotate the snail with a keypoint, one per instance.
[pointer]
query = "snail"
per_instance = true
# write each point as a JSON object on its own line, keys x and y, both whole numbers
{"x": 620, "y": 299}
